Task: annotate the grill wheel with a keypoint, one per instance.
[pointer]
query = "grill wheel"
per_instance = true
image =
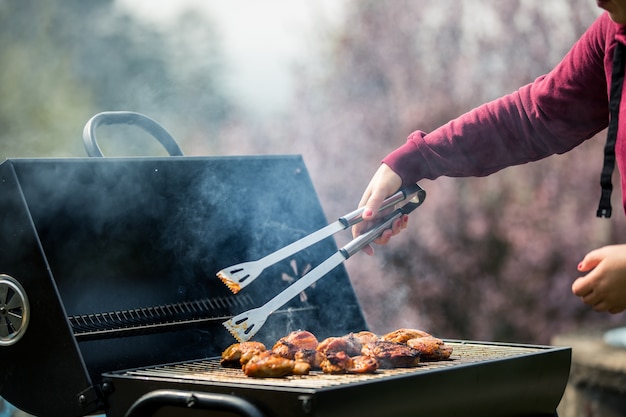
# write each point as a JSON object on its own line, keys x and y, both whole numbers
{"x": 14, "y": 310}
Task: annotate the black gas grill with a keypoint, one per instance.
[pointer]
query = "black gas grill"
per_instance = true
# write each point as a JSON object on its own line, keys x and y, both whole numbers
{"x": 109, "y": 301}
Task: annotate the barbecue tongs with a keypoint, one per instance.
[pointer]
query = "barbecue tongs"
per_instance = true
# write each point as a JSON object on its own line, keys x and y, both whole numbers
{"x": 247, "y": 324}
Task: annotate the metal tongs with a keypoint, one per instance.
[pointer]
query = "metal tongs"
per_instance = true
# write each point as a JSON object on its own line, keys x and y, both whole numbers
{"x": 238, "y": 276}
{"x": 245, "y": 325}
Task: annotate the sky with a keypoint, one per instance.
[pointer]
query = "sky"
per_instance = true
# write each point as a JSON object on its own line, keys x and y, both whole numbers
{"x": 261, "y": 40}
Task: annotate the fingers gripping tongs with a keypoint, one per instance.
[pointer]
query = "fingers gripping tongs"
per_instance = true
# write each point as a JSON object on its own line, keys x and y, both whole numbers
{"x": 245, "y": 325}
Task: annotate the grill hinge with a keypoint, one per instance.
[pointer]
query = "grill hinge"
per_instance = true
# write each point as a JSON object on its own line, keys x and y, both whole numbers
{"x": 89, "y": 398}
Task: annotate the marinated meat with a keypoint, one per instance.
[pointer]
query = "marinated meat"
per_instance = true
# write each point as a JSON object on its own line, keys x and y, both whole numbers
{"x": 363, "y": 365}
{"x": 365, "y": 337}
{"x": 403, "y": 335}
{"x": 362, "y": 352}
{"x": 301, "y": 367}
{"x": 431, "y": 348}
{"x": 312, "y": 357}
{"x": 267, "y": 364}
{"x": 392, "y": 354}
{"x": 295, "y": 341}
{"x": 237, "y": 354}
{"x": 336, "y": 363}
{"x": 348, "y": 344}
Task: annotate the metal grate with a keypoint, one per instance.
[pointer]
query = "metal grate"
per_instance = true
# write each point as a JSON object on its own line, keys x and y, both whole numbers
{"x": 210, "y": 370}
{"x": 142, "y": 320}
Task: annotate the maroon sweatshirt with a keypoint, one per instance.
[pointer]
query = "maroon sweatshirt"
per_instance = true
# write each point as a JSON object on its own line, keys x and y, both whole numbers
{"x": 552, "y": 115}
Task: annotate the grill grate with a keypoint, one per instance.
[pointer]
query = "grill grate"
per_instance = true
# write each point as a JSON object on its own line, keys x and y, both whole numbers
{"x": 210, "y": 370}
{"x": 150, "y": 319}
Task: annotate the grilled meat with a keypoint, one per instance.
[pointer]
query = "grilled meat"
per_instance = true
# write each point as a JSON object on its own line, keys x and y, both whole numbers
{"x": 365, "y": 337}
{"x": 430, "y": 348}
{"x": 363, "y": 352}
{"x": 293, "y": 354}
{"x": 237, "y": 354}
{"x": 348, "y": 344}
{"x": 336, "y": 363}
{"x": 301, "y": 367}
{"x": 402, "y": 335}
{"x": 341, "y": 363}
{"x": 363, "y": 365}
{"x": 392, "y": 354}
{"x": 312, "y": 357}
{"x": 294, "y": 342}
{"x": 267, "y": 364}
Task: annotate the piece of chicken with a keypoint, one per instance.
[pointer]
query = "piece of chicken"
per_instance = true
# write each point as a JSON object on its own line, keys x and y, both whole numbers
{"x": 336, "y": 363}
{"x": 363, "y": 365}
{"x": 364, "y": 337}
{"x": 295, "y": 341}
{"x": 301, "y": 367}
{"x": 403, "y": 335}
{"x": 392, "y": 354}
{"x": 312, "y": 357}
{"x": 267, "y": 364}
{"x": 341, "y": 363}
{"x": 430, "y": 348}
{"x": 348, "y": 344}
{"x": 237, "y": 354}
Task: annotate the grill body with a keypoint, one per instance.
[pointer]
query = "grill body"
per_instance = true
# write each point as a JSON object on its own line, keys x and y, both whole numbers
{"x": 482, "y": 380}
{"x": 108, "y": 269}
{"x": 117, "y": 258}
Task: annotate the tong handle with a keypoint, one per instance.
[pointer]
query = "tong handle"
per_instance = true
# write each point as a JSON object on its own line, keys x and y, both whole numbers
{"x": 356, "y": 216}
{"x": 245, "y": 325}
{"x": 365, "y": 239}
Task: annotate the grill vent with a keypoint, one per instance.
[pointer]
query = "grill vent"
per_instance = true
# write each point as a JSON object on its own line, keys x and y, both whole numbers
{"x": 14, "y": 310}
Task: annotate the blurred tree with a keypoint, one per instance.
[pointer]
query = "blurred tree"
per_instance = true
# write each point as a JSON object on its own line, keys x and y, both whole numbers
{"x": 39, "y": 93}
{"x": 64, "y": 61}
{"x": 490, "y": 258}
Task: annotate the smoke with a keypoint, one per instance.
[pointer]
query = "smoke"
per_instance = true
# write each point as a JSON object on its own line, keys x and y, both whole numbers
{"x": 368, "y": 79}
{"x": 466, "y": 257}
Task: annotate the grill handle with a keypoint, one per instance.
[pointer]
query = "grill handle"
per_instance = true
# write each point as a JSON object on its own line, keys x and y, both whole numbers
{"x": 148, "y": 404}
{"x": 129, "y": 118}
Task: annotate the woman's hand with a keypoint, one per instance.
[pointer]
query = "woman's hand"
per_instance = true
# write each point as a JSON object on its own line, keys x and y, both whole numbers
{"x": 604, "y": 287}
{"x": 384, "y": 183}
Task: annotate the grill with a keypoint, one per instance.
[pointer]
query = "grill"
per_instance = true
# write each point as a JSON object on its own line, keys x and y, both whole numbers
{"x": 109, "y": 301}
{"x": 428, "y": 389}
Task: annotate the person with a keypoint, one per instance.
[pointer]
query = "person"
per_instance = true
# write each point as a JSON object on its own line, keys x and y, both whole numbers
{"x": 551, "y": 115}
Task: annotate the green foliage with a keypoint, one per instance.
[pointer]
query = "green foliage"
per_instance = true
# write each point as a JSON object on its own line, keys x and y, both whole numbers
{"x": 64, "y": 61}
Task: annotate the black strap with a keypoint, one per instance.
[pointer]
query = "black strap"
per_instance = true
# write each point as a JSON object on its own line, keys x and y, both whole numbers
{"x": 617, "y": 80}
